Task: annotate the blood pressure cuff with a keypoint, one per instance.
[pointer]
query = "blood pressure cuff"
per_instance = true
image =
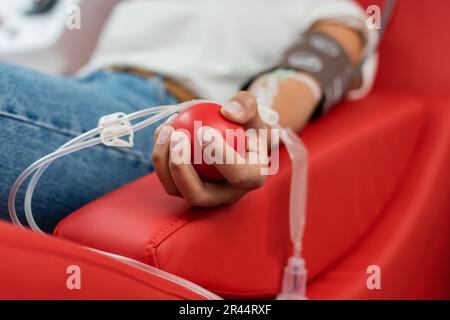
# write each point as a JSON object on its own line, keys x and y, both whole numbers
{"x": 322, "y": 57}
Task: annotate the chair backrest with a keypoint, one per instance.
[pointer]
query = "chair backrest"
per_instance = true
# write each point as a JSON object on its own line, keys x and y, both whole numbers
{"x": 415, "y": 53}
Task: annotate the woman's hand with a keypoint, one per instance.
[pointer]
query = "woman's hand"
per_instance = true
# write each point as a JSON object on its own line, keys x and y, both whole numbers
{"x": 179, "y": 178}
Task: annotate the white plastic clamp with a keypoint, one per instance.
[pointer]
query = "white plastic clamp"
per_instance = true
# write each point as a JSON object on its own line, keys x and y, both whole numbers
{"x": 113, "y": 126}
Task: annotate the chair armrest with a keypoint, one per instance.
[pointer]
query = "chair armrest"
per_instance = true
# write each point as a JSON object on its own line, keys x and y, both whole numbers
{"x": 358, "y": 156}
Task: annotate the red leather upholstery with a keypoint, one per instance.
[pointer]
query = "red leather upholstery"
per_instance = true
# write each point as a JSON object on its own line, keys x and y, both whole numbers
{"x": 379, "y": 194}
{"x": 34, "y": 267}
{"x": 410, "y": 242}
{"x": 414, "y": 54}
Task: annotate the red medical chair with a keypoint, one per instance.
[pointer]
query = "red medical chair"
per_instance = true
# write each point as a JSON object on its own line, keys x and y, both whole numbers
{"x": 379, "y": 194}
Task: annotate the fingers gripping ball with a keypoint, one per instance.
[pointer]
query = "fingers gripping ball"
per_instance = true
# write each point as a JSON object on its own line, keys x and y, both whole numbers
{"x": 208, "y": 114}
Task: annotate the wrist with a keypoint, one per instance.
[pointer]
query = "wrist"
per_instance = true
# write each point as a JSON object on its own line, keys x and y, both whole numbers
{"x": 311, "y": 83}
{"x": 293, "y": 94}
{"x": 267, "y": 85}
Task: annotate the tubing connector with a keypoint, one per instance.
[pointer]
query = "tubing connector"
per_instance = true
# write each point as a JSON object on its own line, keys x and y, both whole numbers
{"x": 294, "y": 280}
{"x": 113, "y": 126}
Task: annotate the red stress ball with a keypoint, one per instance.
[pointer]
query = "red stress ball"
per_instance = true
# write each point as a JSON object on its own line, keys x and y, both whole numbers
{"x": 206, "y": 114}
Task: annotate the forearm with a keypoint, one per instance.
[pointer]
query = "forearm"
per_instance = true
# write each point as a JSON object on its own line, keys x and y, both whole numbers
{"x": 294, "y": 100}
{"x": 295, "y": 103}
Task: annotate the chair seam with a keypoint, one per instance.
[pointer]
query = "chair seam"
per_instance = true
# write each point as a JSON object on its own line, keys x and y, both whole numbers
{"x": 160, "y": 236}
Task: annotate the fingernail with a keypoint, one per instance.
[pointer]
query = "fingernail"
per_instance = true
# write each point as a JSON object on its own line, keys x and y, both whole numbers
{"x": 177, "y": 141}
{"x": 233, "y": 107}
{"x": 164, "y": 135}
{"x": 207, "y": 134}
{"x": 179, "y": 149}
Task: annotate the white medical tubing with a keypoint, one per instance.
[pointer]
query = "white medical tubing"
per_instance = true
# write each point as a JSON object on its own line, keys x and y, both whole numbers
{"x": 295, "y": 274}
{"x": 73, "y": 145}
{"x": 298, "y": 194}
{"x": 41, "y": 162}
{"x": 37, "y": 175}
{"x": 162, "y": 111}
{"x": 83, "y": 141}
{"x": 162, "y": 274}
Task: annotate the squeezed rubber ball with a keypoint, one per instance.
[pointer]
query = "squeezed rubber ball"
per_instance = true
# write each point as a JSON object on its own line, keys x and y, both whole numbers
{"x": 207, "y": 114}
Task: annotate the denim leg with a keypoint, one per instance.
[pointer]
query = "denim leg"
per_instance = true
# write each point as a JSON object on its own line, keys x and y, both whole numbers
{"x": 39, "y": 113}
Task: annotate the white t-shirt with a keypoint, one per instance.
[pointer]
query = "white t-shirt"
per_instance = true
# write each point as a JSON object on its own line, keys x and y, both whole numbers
{"x": 213, "y": 47}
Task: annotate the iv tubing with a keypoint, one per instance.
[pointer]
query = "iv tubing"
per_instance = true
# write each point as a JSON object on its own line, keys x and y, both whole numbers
{"x": 298, "y": 190}
{"x": 83, "y": 141}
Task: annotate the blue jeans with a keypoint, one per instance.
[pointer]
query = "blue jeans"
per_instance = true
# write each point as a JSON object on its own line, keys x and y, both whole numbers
{"x": 39, "y": 113}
